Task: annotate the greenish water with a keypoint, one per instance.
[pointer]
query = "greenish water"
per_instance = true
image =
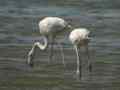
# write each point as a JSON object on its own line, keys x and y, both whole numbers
{"x": 19, "y": 29}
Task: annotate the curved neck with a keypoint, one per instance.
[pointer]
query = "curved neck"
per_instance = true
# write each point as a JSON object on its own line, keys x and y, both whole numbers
{"x": 44, "y": 46}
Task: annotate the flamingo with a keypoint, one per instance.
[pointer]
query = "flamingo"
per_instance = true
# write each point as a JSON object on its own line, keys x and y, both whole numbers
{"x": 79, "y": 37}
{"x": 49, "y": 28}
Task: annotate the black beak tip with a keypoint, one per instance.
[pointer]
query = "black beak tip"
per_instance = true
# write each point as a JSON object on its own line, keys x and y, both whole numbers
{"x": 31, "y": 65}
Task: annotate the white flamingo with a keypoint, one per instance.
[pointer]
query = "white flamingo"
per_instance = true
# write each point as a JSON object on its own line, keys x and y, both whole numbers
{"x": 79, "y": 37}
{"x": 49, "y": 27}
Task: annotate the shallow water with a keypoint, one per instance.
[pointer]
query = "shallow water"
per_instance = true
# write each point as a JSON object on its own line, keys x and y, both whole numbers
{"x": 19, "y": 30}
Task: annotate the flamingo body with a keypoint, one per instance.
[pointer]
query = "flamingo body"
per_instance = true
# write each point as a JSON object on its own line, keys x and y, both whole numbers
{"x": 79, "y": 36}
{"x": 52, "y": 25}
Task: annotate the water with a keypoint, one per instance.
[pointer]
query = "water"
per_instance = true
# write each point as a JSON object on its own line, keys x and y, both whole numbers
{"x": 19, "y": 29}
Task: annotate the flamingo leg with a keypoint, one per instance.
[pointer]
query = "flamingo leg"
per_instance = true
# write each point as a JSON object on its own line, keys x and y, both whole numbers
{"x": 88, "y": 56}
{"x": 51, "y": 48}
{"x": 62, "y": 53}
{"x": 79, "y": 64}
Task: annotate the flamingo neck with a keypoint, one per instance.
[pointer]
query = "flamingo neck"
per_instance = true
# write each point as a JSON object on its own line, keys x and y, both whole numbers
{"x": 44, "y": 46}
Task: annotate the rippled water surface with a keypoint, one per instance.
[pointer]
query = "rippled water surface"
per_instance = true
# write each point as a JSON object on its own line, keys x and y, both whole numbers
{"x": 19, "y": 30}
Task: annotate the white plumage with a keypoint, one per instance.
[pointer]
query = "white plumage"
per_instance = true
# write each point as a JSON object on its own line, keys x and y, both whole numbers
{"x": 79, "y": 35}
{"x": 49, "y": 28}
{"x": 52, "y": 25}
